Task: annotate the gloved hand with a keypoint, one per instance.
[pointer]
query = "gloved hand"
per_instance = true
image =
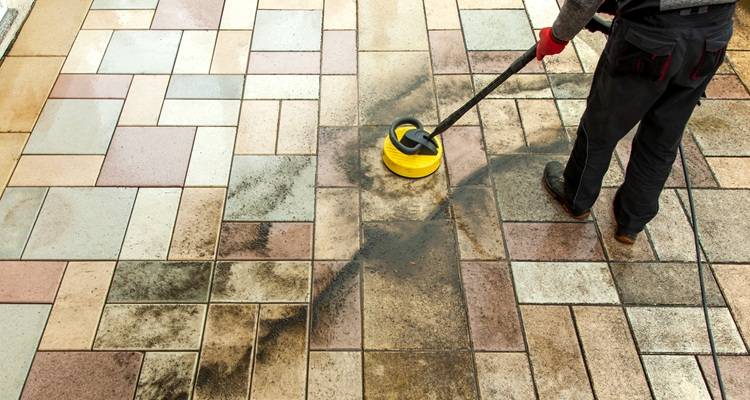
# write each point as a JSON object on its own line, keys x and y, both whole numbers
{"x": 548, "y": 44}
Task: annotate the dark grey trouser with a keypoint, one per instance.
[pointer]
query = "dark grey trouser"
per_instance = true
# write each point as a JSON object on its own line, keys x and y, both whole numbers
{"x": 653, "y": 70}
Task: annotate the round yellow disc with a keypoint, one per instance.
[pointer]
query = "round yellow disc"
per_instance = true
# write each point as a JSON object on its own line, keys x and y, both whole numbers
{"x": 410, "y": 166}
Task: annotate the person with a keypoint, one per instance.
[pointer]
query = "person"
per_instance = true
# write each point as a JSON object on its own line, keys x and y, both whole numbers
{"x": 658, "y": 60}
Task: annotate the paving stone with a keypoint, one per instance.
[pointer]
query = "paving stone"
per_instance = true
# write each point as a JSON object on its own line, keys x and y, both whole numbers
{"x": 231, "y": 52}
{"x": 734, "y": 370}
{"x": 495, "y": 62}
{"x": 335, "y": 375}
{"x": 197, "y": 226}
{"x": 466, "y": 160}
{"x": 205, "y": 87}
{"x": 538, "y": 282}
{"x": 284, "y": 62}
{"x": 83, "y": 375}
{"x": 542, "y": 13}
{"x": 50, "y": 28}
{"x": 338, "y": 105}
{"x": 571, "y": 111}
{"x": 256, "y": 133}
{"x": 144, "y": 101}
{"x": 733, "y": 280}
{"x": 200, "y": 112}
{"x": 496, "y": 30}
{"x": 141, "y": 52}
{"x": 441, "y": 14}
{"x": 271, "y": 188}
{"x": 391, "y": 25}
{"x": 336, "y": 223}
{"x": 730, "y": 171}
{"x": 20, "y": 331}
{"x": 87, "y": 52}
{"x": 266, "y": 87}
{"x": 477, "y": 224}
{"x": 160, "y": 282}
{"x": 17, "y": 288}
{"x": 340, "y": 14}
{"x": 238, "y": 14}
{"x": 489, "y": 4}
{"x": 555, "y": 356}
{"x": 188, "y": 14}
{"x": 261, "y": 281}
{"x": 41, "y": 170}
{"x": 150, "y": 327}
{"x": 64, "y": 128}
{"x": 640, "y": 251}
{"x": 118, "y": 19}
{"x": 227, "y": 353}
{"x": 150, "y": 228}
{"x": 589, "y": 46}
{"x": 166, "y": 375}
{"x": 528, "y": 86}
{"x": 81, "y": 223}
{"x": 407, "y": 260}
{"x": 298, "y": 127}
{"x": 295, "y": 30}
{"x": 123, "y": 4}
{"x": 291, "y": 4}
{"x": 265, "y": 240}
{"x": 335, "y": 316}
{"x": 542, "y": 126}
{"x": 491, "y": 304}
{"x": 611, "y": 356}
{"x": 281, "y": 356}
{"x": 211, "y": 158}
{"x": 741, "y": 63}
{"x": 395, "y": 83}
{"x": 195, "y": 53}
{"x": 553, "y": 241}
{"x": 136, "y": 157}
{"x": 663, "y": 284}
{"x": 453, "y": 91}
{"x": 18, "y": 210}
{"x": 412, "y": 375}
{"x": 670, "y": 231}
{"x": 504, "y": 375}
{"x": 502, "y": 126}
{"x": 338, "y": 157}
{"x": 566, "y": 62}
{"x": 722, "y": 127}
{"x": 683, "y": 330}
{"x": 675, "y": 377}
{"x": 571, "y": 86}
{"x": 726, "y": 87}
{"x": 91, "y": 86}
{"x": 448, "y": 52}
{"x": 339, "y": 52}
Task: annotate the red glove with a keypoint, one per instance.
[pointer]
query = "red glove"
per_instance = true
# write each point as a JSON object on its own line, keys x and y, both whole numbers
{"x": 548, "y": 44}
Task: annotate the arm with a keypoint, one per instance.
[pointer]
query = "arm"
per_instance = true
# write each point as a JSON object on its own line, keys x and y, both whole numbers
{"x": 573, "y": 16}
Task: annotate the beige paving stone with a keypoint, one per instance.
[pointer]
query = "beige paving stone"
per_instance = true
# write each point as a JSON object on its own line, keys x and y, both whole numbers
{"x": 211, "y": 158}
{"x": 50, "y": 28}
{"x": 338, "y": 100}
{"x": 392, "y": 25}
{"x": 118, "y": 19}
{"x": 542, "y": 13}
{"x": 150, "y": 327}
{"x": 291, "y": 4}
{"x": 266, "y": 87}
{"x": 670, "y": 231}
{"x": 550, "y": 282}
{"x": 497, "y": 61}
{"x": 336, "y": 224}
{"x": 231, "y": 52}
{"x": 589, "y": 46}
{"x": 740, "y": 60}
{"x": 11, "y": 146}
{"x": 338, "y": 157}
{"x": 504, "y": 375}
{"x": 640, "y": 251}
{"x": 734, "y": 371}
{"x": 199, "y": 112}
{"x": 502, "y": 126}
{"x": 284, "y": 62}
{"x": 610, "y": 352}
{"x": 197, "y": 226}
{"x": 571, "y": 111}
{"x": 477, "y": 224}
{"x": 87, "y": 52}
{"x": 298, "y": 127}
{"x": 452, "y": 92}
{"x": 556, "y": 361}
{"x": 74, "y": 317}
{"x": 150, "y": 228}
{"x": 340, "y": 14}
{"x": 25, "y": 83}
{"x": 335, "y": 375}
{"x": 731, "y": 172}
{"x": 442, "y": 14}
{"x": 238, "y": 14}
{"x": 166, "y": 375}
{"x": 195, "y": 52}
{"x": 722, "y": 127}
{"x": 448, "y": 52}
{"x": 663, "y": 284}
{"x": 33, "y": 170}
{"x": 564, "y": 63}
{"x": 258, "y": 124}
{"x": 683, "y": 330}
{"x": 542, "y": 126}
{"x": 489, "y": 4}
{"x": 527, "y": 86}
{"x": 741, "y": 38}
{"x": 262, "y": 281}
{"x": 465, "y": 156}
{"x": 734, "y": 280}
{"x": 144, "y": 101}
{"x": 675, "y": 377}
{"x": 339, "y": 52}
{"x": 336, "y": 317}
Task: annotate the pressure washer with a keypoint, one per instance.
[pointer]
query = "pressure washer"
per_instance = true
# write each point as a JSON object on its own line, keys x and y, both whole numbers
{"x": 412, "y": 152}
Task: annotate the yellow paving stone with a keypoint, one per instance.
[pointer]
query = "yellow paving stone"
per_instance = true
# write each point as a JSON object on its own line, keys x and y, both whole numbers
{"x": 238, "y": 14}
{"x": 196, "y": 51}
{"x": 11, "y": 146}
{"x": 731, "y": 172}
{"x": 231, "y": 52}
{"x": 442, "y": 14}
{"x": 734, "y": 281}
{"x": 87, "y": 52}
{"x": 144, "y": 100}
{"x": 25, "y": 83}
{"x": 75, "y": 314}
{"x": 340, "y": 14}
{"x": 51, "y": 28}
{"x": 338, "y": 100}
{"x": 57, "y": 170}
{"x": 197, "y": 227}
{"x": 118, "y": 19}
{"x": 741, "y": 38}
{"x": 256, "y": 133}
{"x": 336, "y": 224}
{"x": 741, "y": 62}
{"x": 392, "y": 25}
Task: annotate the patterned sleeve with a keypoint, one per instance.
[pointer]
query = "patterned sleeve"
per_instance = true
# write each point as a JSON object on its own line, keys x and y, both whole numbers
{"x": 573, "y": 16}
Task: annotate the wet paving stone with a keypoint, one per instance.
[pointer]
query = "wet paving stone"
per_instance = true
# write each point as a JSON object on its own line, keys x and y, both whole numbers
{"x": 21, "y": 329}
{"x": 589, "y": 46}
{"x": 553, "y": 241}
{"x": 18, "y": 210}
{"x": 227, "y": 353}
{"x": 83, "y": 375}
{"x": 336, "y": 317}
{"x": 448, "y": 52}
{"x": 541, "y": 282}
{"x": 491, "y": 304}
{"x": 525, "y": 86}
{"x": 734, "y": 371}
{"x": 197, "y": 226}
{"x": 411, "y": 375}
{"x": 675, "y": 377}
{"x": 477, "y": 224}
{"x": 496, "y": 30}
{"x": 453, "y": 91}
{"x": 261, "y": 281}
{"x": 542, "y": 126}
{"x": 495, "y": 62}
{"x": 465, "y": 156}
{"x": 334, "y": 375}
{"x": 150, "y": 327}
{"x": 616, "y": 251}
{"x": 734, "y": 280}
{"x": 722, "y": 127}
{"x": 504, "y": 375}
{"x": 166, "y": 376}
{"x": 663, "y": 284}
{"x": 501, "y": 125}
{"x": 160, "y": 281}
{"x": 416, "y": 261}
{"x": 265, "y": 240}
{"x": 17, "y": 288}
{"x": 570, "y": 86}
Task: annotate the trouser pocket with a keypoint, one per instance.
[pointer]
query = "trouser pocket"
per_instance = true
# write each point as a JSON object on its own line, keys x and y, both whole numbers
{"x": 711, "y": 58}
{"x": 641, "y": 54}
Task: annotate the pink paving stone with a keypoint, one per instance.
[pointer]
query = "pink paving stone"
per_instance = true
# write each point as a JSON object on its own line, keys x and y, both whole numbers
{"x": 336, "y": 320}
{"x": 265, "y": 241}
{"x": 91, "y": 86}
{"x": 495, "y": 62}
{"x": 29, "y": 281}
{"x": 735, "y": 371}
{"x": 188, "y": 14}
{"x": 83, "y": 376}
{"x": 464, "y": 152}
{"x": 282, "y": 62}
{"x": 147, "y": 156}
{"x": 553, "y": 241}
{"x": 726, "y": 87}
{"x": 338, "y": 156}
{"x": 339, "y": 52}
{"x": 448, "y": 52}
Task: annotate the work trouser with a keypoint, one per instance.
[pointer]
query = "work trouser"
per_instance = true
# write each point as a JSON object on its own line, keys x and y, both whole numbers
{"x": 653, "y": 70}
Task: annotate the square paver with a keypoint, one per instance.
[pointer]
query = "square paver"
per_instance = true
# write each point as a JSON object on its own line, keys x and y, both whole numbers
{"x": 159, "y": 281}
{"x": 496, "y": 30}
{"x": 391, "y": 25}
{"x": 271, "y": 188}
{"x": 141, "y": 52}
{"x": 137, "y": 157}
{"x": 298, "y": 30}
{"x": 67, "y": 127}
{"x": 504, "y": 374}
{"x": 81, "y": 223}
{"x": 188, "y": 14}
{"x": 261, "y": 282}
{"x": 18, "y": 210}
{"x": 335, "y": 375}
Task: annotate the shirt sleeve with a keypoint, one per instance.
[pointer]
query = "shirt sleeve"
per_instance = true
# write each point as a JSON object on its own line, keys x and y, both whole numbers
{"x": 573, "y": 16}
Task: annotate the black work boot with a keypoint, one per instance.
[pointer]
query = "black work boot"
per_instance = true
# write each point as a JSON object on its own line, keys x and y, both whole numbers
{"x": 554, "y": 182}
{"x": 621, "y": 235}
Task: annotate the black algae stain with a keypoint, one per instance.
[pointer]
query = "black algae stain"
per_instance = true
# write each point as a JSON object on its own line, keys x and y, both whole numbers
{"x": 259, "y": 243}
{"x": 274, "y": 193}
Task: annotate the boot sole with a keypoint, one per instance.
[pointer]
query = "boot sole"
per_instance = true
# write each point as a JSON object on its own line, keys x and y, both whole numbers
{"x": 560, "y": 201}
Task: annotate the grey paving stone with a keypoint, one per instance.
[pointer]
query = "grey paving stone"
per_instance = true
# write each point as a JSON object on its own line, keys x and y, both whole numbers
{"x": 18, "y": 210}
{"x": 496, "y": 30}
{"x": 570, "y": 86}
{"x": 287, "y": 30}
{"x": 160, "y": 281}
{"x": 19, "y": 332}
{"x": 141, "y": 52}
{"x": 675, "y": 377}
{"x": 205, "y": 87}
{"x": 663, "y": 284}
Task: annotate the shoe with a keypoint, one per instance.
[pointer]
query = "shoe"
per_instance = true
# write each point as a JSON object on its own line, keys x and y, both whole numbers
{"x": 624, "y": 237}
{"x": 554, "y": 182}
